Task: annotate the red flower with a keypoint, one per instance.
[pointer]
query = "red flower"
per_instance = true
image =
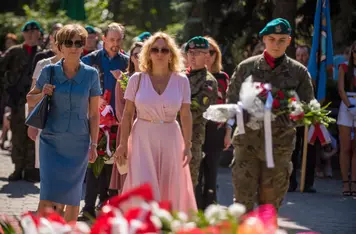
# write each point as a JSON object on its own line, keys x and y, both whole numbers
{"x": 275, "y": 104}
{"x": 280, "y": 94}
{"x": 293, "y": 99}
{"x": 101, "y": 152}
{"x": 296, "y": 117}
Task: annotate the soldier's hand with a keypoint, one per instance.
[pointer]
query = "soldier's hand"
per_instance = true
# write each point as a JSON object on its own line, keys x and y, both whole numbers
{"x": 187, "y": 156}
{"x": 32, "y": 133}
{"x": 48, "y": 89}
{"x": 227, "y": 141}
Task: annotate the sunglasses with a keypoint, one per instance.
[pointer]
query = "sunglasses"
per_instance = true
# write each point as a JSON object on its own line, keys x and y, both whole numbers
{"x": 77, "y": 44}
{"x": 212, "y": 52}
{"x": 135, "y": 55}
{"x": 162, "y": 50}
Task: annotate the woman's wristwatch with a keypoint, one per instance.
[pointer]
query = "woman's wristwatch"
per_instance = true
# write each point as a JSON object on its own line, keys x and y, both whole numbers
{"x": 94, "y": 144}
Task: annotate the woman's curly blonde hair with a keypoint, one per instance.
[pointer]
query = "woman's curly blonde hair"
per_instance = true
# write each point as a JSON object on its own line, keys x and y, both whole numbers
{"x": 176, "y": 62}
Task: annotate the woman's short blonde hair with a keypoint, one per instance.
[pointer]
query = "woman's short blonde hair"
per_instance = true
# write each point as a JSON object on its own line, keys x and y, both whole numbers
{"x": 176, "y": 63}
{"x": 217, "y": 64}
{"x": 69, "y": 31}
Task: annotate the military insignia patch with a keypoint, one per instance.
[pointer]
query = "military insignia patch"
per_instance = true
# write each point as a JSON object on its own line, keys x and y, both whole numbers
{"x": 205, "y": 100}
{"x": 191, "y": 45}
{"x": 278, "y": 29}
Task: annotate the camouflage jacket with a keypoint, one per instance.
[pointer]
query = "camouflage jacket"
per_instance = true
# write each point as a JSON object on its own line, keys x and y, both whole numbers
{"x": 204, "y": 92}
{"x": 290, "y": 74}
{"x": 16, "y": 74}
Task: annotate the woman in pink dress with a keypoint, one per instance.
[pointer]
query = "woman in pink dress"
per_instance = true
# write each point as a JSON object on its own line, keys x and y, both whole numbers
{"x": 157, "y": 151}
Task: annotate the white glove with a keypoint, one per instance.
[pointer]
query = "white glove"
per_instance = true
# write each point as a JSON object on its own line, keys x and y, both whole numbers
{"x": 352, "y": 110}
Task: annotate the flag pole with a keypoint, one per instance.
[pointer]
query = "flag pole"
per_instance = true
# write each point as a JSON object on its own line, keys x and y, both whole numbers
{"x": 304, "y": 158}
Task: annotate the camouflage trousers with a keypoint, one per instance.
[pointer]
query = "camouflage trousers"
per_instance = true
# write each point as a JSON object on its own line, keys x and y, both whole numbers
{"x": 253, "y": 181}
{"x": 194, "y": 164}
{"x": 23, "y": 148}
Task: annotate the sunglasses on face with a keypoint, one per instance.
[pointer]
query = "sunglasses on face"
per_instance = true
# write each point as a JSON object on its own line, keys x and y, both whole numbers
{"x": 135, "y": 55}
{"x": 70, "y": 43}
{"x": 212, "y": 52}
{"x": 158, "y": 50}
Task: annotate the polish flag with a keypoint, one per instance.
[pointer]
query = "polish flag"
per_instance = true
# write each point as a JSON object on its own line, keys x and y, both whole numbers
{"x": 319, "y": 131}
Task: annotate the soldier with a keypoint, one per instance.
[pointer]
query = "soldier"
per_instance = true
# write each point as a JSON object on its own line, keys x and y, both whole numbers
{"x": 204, "y": 91}
{"x": 92, "y": 40}
{"x": 16, "y": 65}
{"x": 250, "y": 174}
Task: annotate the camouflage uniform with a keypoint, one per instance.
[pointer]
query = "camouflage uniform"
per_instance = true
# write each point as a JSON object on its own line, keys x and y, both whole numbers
{"x": 15, "y": 68}
{"x": 250, "y": 175}
{"x": 204, "y": 91}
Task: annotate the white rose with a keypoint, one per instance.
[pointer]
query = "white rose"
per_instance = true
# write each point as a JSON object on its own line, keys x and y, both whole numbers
{"x": 237, "y": 210}
{"x": 176, "y": 225}
{"x": 156, "y": 221}
{"x": 163, "y": 214}
{"x": 182, "y": 216}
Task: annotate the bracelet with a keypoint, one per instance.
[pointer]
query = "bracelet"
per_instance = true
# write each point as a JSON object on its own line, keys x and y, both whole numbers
{"x": 94, "y": 144}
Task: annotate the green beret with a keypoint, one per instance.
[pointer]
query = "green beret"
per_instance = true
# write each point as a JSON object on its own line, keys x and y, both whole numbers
{"x": 197, "y": 43}
{"x": 90, "y": 29}
{"x": 31, "y": 25}
{"x": 276, "y": 26}
{"x": 143, "y": 36}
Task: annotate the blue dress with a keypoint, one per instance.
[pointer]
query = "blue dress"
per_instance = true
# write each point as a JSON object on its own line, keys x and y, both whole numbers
{"x": 65, "y": 140}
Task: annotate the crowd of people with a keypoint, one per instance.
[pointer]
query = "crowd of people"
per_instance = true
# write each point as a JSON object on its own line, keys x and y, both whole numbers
{"x": 161, "y": 134}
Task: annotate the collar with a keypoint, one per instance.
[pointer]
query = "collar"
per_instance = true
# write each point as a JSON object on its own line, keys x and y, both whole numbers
{"x": 78, "y": 78}
{"x": 107, "y": 55}
{"x": 262, "y": 64}
{"x": 29, "y": 49}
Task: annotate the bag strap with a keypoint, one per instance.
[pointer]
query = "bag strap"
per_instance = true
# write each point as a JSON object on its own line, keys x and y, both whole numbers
{"x": 139, "y": 82}
{"x": 51, "y": 74}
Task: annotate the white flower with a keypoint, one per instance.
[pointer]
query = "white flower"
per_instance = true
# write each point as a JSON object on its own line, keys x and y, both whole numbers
{"x": 154, "y": 206}
{"x": 190, "y": 225}
{"x": 163, "y": 214}
{"x": 156, "y": 221}
{"x": 237, "y": 210}
{"x": 182, "y": 216}
{"x": 314, "y": 105}
{"x": 215, "y": 213}
{"x": 176, "y": 225}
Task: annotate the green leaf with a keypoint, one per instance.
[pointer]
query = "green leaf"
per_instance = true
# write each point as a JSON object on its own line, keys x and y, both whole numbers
{"x": 98, "y": 166}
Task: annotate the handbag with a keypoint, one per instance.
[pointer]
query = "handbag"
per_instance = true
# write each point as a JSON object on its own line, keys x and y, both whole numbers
{"x": 124, "y": 168}
{"x": 38, "y": 117}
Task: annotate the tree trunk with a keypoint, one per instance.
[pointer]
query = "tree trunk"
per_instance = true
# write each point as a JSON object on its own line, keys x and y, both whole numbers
{"x": 342, "y": 26}
{"x": 287, "y": 9}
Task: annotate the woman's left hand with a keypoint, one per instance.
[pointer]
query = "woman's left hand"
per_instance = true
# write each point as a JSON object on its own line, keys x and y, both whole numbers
{"x": 93, "y": 154}
{"x": 187, "y": 156}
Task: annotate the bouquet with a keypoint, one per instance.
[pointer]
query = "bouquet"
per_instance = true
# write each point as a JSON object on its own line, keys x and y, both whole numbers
{"x": 123, "y": 81}
{"x": 107, "y": 136}
{"x": 254, "y": 98}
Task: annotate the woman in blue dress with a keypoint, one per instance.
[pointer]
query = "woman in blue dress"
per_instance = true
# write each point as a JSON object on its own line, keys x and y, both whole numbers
{"x": 70, "y": 136}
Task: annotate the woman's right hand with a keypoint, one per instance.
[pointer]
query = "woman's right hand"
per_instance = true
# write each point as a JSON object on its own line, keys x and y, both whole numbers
{"x": 32, "y": 133}
{"x": 48, "y": 89}
{"x": 121, "y": 154}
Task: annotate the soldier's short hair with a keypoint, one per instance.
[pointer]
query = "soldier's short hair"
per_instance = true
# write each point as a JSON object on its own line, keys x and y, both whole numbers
{"x": 69, "y": 31}
{"x": 116, "y": 27}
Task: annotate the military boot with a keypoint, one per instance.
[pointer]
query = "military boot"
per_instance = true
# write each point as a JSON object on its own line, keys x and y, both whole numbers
{"x": 16, "y": 175}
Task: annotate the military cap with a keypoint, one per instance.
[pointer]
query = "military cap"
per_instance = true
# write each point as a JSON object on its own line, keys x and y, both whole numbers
{"x": 90, "y": 29}
{"x": 31, "y": 25}
{"x": 143, "y": 36}
{"x": 276, "y": 26}
{"x": 197, "y": 43}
